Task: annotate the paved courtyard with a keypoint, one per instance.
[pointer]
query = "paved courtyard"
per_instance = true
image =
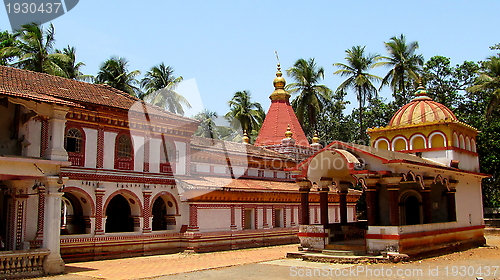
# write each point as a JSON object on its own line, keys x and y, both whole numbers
{"x": 270, "y": 263}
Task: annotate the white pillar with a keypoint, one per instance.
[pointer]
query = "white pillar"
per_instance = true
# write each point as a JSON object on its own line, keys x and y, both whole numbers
{"x": 52, "y": 225}
{"x": 57, "y": 124}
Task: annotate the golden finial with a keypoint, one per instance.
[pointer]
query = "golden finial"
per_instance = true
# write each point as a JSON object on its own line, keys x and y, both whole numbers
{"x": 421, "y": 91}
{"x": 245, "y": 137}
{"x": 279, "y": 84}
{"x": 315, "y": 139}
{"x": 288, "y": 133}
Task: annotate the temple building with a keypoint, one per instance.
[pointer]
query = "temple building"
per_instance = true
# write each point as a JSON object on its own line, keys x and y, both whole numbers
{"x": 89, "y": 172}
{"x": 420, "y": 179}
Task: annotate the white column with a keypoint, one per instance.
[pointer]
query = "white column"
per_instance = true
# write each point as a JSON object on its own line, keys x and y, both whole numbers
{"x": 52, "y": 225}
{"x": 57, "y": 123}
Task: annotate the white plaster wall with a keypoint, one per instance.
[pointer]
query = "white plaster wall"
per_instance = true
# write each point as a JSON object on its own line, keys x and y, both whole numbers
{"x": 269, "y": 174}
{"x": 238, "y": 217}
{"x": 469, "y": 203}
{"x": 220, "y": 169}
{"x": 138, "y": 144}
{"x": 269, "y": 212}
{"x": 90, "y": 147}
{"x": 180, "y": 168}
{"x": 154, "y": 155}
{"x": 202, "y": 167}
{"x": 331, "y": 213}
{"x": 281, "y": 175}
{"x": 31, "y": 217}
{"x": 260, "y": 220}
{"x": 109, "y": 150}
{"x": 34, "y": 137}
{"x": 214, "y": 219}
{"x": 252, "y": 172}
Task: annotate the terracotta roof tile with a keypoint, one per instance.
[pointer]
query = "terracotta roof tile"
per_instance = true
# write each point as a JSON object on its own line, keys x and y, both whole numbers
{"x": 279, "y": 116}
{"x": 49, "y": 88}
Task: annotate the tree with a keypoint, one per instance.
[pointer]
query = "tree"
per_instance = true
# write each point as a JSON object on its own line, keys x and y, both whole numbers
{"x": 405, "y": 67}
{"x": 311, "y": 95}
{"x": 160, "y": 84}
{"x": 446, "y": 83}
{"x": 207, "y": 127}
{"x": 71, "y": 67}
{"x": 10, "y": 40}
{"x": 35, "y": 50}
{"x": 332, "y": 123}
{"x": 114, "y": 73}
{"x": 358, "y": 78}
{"x": 245, "y": 114}
{"x": 489, "y": 81}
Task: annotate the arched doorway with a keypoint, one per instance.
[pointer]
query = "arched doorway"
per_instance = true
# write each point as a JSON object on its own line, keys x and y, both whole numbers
{"x": 72, "y": 219}
{"x": 164, "y": 211}
{"x": 118, "y": 215}
{"x": 412, "y": 210}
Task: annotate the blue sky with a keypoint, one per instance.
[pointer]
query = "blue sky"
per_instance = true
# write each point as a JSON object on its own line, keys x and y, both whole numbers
{"x": 221, "y": 47}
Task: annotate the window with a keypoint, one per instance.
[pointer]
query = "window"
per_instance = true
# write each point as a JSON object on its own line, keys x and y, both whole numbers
{"x": 124, "y": 147}
{"x": 73, "y": 140}
{"x": 277, "y": 218}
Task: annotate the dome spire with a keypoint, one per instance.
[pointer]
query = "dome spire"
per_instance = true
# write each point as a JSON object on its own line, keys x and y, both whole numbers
{"x": 279, "y": 83}
{"x": 245, "y": 137}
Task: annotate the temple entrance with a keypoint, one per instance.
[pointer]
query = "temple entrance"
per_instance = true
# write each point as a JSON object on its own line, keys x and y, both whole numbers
{"x": 118, "y": 215}
{"x": 159, "y": 215}
{"x": 412, "y": 210}
{"x": 72, "y": 221}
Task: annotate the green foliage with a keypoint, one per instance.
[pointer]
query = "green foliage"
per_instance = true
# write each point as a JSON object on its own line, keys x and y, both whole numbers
{"x": 114, "y": 73}
{"x": 160, "y": 84}
{"x": 245, "y": 115}
{"x": 311, "y": 96}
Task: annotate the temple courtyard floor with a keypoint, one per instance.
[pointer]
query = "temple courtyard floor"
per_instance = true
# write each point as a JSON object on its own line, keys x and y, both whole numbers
{"x": 270, "y": 263}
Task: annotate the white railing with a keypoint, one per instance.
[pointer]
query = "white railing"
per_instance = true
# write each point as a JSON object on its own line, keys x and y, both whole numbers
{"x": 22, "y": 262}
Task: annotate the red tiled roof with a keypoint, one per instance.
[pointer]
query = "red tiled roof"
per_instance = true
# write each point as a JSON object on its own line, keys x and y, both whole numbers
{"x": 53, "y": 89}
{"x": 279, "y": 116}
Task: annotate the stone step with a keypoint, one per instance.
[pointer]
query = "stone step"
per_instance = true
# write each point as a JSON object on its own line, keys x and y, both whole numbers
{"x": 346, "y": 247}
{"x": 344, "y": 252}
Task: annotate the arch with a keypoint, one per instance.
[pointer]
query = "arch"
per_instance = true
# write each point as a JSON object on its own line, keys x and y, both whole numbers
{"x": 119, "y": 215}
{"x": 332, "y": 163}
{"x": 411, "y": 207}
{"x": 456, "y": 143}
{"x": 164, "y": 211}
{"x": 168, "y": 156}
{"x": 74, "y": 143}
{"x": 473, "y": 145}
{"x": 437, "y": 139}
{"x": 417, "y": 142}
{"x": 72, "y": 216}
{"x": 467, "y": 143}
{"x": 462, "y": 141}
{"x": 88, "y": 204}
{"x": 136, "y": 206}
{"x": 124, "y": 152}
{"x": 382, "y": 143}
{"x": 399, "y": 143}
{"x": 172, "y": 198}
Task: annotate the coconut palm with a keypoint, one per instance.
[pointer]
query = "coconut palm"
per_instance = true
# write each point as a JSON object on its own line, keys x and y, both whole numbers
{"x": 311, "y": 95}
{"x": 159, "y": 84}
{"x": 358, "y": 78}
{"x": 245, "y": 114}
{"x": 72, "y": 68}
{"x": 489, "y": 81}
{"x": 35, "y": 50}
{"x": 405, "y": 66}
{"x": 207, "y": 127}
{"x": 7, "y": 39}
{"x": 114, "y": 73}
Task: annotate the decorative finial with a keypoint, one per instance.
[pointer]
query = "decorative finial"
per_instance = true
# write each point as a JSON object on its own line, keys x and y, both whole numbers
{"x": 279, "y": 83}
{"x": 288, "y": 133}
{"x": 315, "y": 139}
{"x": 245, "y": 137}
{"x": 421, "y": 91}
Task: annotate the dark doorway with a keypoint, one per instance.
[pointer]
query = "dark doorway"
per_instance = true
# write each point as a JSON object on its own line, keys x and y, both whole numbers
{"x": 72, "y": 221}
{"x": 412, "y": 210}
{"x": 118, "y": 214}
{"x": 159, "y": 214}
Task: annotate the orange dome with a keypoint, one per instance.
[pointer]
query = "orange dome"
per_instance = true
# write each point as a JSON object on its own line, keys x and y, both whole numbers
{"x": 422, "y": 109}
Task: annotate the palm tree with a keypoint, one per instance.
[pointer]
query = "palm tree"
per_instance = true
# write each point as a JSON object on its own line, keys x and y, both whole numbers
{"x": 207, "y": 127}
{"x": 35, "y": 50}
{"x": 311, "y": 95}
{"x": 114, "y": 73}
{"x": 489, "y": 81}
{"x": 244, "y": 114}
{"x": 7, "y": 39}
{"x": 358, "y": 78}
{"x": 72, "y": 68}
{"x": 405, "y": 66}
{"x": 160, "y": 84}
